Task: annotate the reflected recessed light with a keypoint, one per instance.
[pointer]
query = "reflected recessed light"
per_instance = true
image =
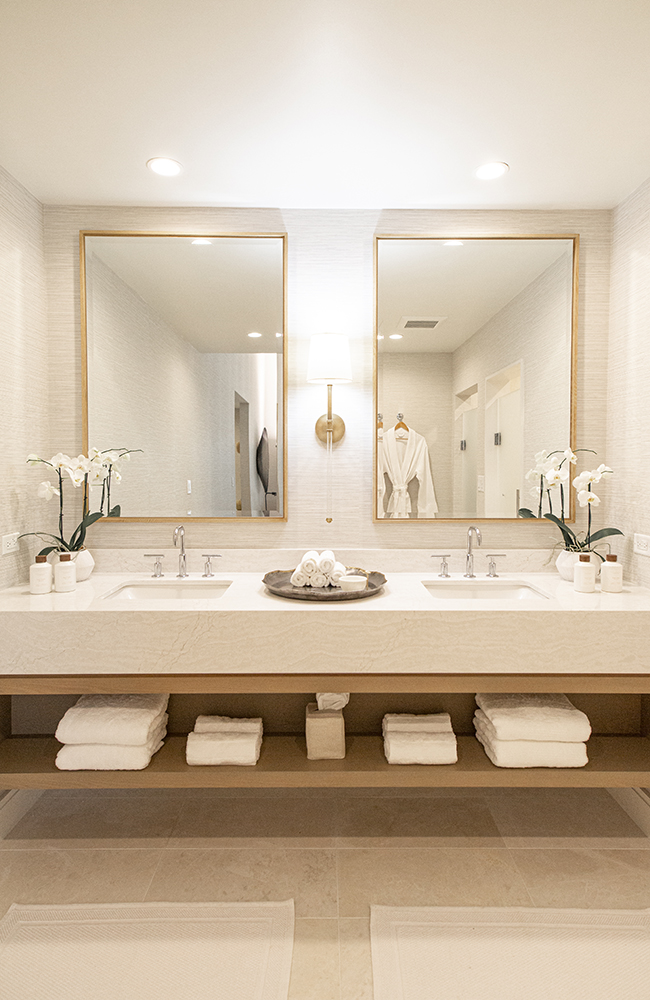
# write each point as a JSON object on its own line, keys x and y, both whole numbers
{"x": 489, "y": 171}
{"x": 278, "y": 334}
{"x": 201, "y": 243}
{"x": 395, "y": 336}
{"x": 380, "y": 336}
{"x": 254, "y": 334}
{"x": 453, "y": 243}
{"x": 164, "y": 166}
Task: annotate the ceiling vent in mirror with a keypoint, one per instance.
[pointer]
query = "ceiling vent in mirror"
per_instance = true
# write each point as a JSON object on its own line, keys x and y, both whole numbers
{"x": 420, "y": 322}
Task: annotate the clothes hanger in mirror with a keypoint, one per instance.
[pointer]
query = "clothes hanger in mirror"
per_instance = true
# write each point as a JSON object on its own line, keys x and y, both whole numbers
{"x": 400, "y": 425}
{"x": 380, "y": 421}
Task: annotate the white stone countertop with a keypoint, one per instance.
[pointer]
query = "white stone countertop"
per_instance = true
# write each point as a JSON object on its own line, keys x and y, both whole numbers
{"x": 249, "y": 631}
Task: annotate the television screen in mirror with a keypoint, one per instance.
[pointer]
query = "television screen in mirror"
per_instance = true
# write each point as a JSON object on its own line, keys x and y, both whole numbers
{"x": 183, "y": 344}
{"x": 474, "y": 373}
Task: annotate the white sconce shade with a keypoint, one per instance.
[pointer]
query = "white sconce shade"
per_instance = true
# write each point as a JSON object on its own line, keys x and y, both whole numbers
{"x": 329, "y": 359}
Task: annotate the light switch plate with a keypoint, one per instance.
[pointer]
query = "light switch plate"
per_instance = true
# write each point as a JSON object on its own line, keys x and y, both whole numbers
{"x": 480, "y": 484}
{"x": 642, "y": 545}
{"x": 10, "y": 543}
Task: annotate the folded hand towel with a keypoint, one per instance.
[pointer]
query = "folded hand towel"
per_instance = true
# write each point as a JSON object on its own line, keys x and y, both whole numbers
{"x": 223, "y": 748}
{"x": 109, "y": 756}
{"x": 223, "y": 724}
{"x": 336, "y": 574}
{"x": 531, "y": 753}
{"x": 299, "y": 578}
{"x": 309, "y": 562}
{"x": 535, "y": 717}
{"x": 318, "y": 580}
{"x": 326, "y": 562}
{"x": 420, "y": 748}
{"x": 404, "y": 723}
{"x": 125, "y": 719}
{"x": 328, "y": 702}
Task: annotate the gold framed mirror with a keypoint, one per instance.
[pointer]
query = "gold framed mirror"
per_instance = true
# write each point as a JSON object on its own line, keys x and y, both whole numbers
{"x": 184, "y": 361}
{"x": 475, "y": 353}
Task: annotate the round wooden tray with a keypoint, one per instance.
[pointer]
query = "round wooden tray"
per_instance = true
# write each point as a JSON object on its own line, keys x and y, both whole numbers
{"x": 279, "y": 582}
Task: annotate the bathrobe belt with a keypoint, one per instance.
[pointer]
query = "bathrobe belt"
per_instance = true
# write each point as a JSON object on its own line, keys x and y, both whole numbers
{"x": 399, "y": 502}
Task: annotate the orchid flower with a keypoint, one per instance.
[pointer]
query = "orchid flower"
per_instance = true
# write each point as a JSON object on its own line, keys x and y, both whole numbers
{"x": 46, "y": 491}
{"x": 586, "y": 497}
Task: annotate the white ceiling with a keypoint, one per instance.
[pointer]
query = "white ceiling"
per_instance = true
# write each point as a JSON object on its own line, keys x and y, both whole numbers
{"x": 464, "y": 285}
{"x": 213, "y": 296}
{"x": 327, "y": 103}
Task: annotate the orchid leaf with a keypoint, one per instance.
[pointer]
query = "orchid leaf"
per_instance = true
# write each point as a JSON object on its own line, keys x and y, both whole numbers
{"x": 604, "y": 532}
{"x": 115, "y": 511}
{"x": 526, "y": 512}
{"x": 46, "y": 551}
{"x": 569, "y": 536}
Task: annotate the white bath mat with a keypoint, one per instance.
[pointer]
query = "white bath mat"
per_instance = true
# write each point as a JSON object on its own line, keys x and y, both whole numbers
{"x": 431, "y": 953}
{"x": 147, "y": 951}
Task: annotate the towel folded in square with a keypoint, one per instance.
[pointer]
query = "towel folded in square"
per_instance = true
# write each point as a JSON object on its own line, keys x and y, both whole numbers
{"x": 440, "y": 722}
{"x": 535, "y": 717}
{"x": 420, "y": 748}
{"x": 123, "y": 719}
{"x": 224, "y": 724}
{"x": 110, "y": 756}
{"x": 223, "y": 748}
{"x": 531, "y": 753}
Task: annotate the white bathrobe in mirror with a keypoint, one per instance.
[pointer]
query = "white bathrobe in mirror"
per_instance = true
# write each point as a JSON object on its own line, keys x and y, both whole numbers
{"x": 403, "y": 456}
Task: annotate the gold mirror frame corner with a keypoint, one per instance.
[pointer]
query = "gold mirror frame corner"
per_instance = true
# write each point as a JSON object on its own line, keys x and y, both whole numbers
{"x": 573, "y": 404}
{"x": 83, "y": 234}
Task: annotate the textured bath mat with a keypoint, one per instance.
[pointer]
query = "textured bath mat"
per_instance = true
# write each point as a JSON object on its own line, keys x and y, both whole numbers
{"x": 431, "y": 953}
{"x": 147, "y": 951}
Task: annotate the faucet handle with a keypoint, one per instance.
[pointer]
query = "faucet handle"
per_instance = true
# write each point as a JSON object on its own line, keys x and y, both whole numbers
{"x": 157, "y": 566}
{"x": 444, "y": 568}
{"x": 492, "y": 566}
{"x": 209, "y": 556}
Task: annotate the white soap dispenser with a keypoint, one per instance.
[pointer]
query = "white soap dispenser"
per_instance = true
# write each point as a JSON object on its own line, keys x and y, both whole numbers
{"x": 40, "y": 576}
{"x": 611, "y": 576}
{"x": 584, "y": 575}
{"x": 65, "y": 574}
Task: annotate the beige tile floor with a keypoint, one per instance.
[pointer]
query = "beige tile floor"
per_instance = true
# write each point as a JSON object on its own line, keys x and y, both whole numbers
{"x": 335, "y": 853}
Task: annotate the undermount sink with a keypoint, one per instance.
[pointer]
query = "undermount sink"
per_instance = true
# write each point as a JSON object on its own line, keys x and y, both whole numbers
{"x": 482, "y": 590}
{"x": 169, "y": 590}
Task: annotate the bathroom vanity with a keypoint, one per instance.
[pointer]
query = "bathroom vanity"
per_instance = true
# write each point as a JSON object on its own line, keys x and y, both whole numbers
{"x": 432, "y": 642}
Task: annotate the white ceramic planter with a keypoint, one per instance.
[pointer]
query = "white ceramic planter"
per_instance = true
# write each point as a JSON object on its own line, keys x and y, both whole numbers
{"x": 567, "y": 560}
{"x": 84, "y": 563}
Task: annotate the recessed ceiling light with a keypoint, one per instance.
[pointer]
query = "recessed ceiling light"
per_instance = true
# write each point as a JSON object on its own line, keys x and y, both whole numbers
{"x": 395, "y": 336}
{"x": 453, "y": 243}
{"x": 201, "y": 243}
{"x": 380, "y": 336}
{"x": 164, "y": 166}
{"x": 490, "y": 171}
{"x": 254, "y": 334}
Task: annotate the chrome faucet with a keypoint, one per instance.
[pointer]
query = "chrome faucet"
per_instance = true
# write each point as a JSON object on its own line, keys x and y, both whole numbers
{"x": 179, "y": 532}
{"x": 469, "y": 562}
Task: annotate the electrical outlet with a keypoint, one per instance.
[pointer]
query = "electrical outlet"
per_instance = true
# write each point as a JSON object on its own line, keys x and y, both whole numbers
{"x": 642, "y": 545}
{"x": 10, "y": 543}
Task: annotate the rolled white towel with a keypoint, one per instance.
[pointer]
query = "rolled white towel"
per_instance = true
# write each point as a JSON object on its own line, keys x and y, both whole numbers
{"x": 110, "y": 756}
{"x": 123, "y": 719}
{"x": 420, "y": 748}
{"x": 299, "y": 578}
{"x": 535, "y": 717}
{"x": 336, "y": 574}
{"x": 440, "y": 722}
{"x": 223, "y": 748}
{"x": 531, "y": 753}
{"x": 326, "y": 562}
{"x": 309, "y": 562}
{"x": 224, "y": 724}
{"x": 329, "y": 701}
{"x": 318, "y": 580}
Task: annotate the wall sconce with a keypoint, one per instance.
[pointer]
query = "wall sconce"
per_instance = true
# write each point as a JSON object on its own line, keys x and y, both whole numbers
{"x": 329, "y": 364}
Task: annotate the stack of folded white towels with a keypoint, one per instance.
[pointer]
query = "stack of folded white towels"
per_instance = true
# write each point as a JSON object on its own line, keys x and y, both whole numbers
{"x": 531, "y": 730}
{"x": 112, "y": 732}
{"x": 219, "y": 740}
{"x": 316, "y": 570}
{"x": 419, "y": 739}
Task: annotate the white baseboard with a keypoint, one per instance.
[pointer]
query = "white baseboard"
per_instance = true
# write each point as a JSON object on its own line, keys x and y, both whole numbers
{"x": 14, "y": 806}
{"x": 636, "y": 804}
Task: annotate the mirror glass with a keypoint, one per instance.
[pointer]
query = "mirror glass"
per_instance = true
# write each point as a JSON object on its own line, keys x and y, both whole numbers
{"x": 183, "y": 342}
{"x": 474, "y": 371}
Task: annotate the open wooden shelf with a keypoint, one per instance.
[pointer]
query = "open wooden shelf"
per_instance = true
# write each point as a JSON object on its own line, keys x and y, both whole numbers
{"x": 614, "y": 761}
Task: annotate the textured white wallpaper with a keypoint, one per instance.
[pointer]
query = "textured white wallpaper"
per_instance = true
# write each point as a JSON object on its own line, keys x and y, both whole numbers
{"x": 24, "y": 365}
{"x": 626, "y": 501}
{"x": 330, "y": 288}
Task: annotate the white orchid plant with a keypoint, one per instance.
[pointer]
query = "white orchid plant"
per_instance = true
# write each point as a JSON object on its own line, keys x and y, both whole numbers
{"x": 99, "y": 468}
{"x": 552, "y": 469}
